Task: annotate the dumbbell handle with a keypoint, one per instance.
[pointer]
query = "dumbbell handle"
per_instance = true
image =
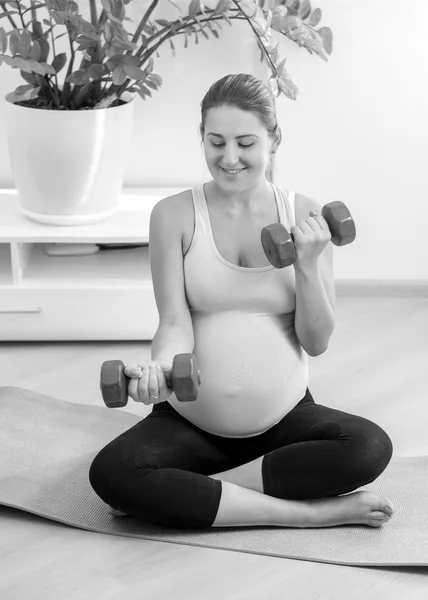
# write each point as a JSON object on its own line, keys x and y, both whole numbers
{"x": 179, "y": 379}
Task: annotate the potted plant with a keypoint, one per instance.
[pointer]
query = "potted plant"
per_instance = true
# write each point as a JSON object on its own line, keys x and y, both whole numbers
{"x": 68, "y": 157}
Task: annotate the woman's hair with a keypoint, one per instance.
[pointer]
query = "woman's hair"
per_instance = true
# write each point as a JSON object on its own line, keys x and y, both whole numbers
{"x": 248, "y": 93}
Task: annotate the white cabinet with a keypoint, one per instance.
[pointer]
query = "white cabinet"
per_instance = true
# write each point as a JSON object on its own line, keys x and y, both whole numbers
{"x": 103, "y": 296}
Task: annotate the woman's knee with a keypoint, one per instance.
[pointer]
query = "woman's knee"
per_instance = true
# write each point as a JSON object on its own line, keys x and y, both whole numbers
{"x": 373, "y": 452}
{"x": 110, "y": 473}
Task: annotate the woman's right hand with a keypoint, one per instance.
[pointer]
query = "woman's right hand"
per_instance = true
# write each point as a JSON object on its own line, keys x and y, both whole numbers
{"x": 148, "y": 383}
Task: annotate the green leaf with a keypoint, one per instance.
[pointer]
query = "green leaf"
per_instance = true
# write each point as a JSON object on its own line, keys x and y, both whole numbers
{"x": 3, "y": 40}
{"x": 222, "y": 6}
{"x": 107, "y": 5}
{"x": 45, "y": 48}
{"x": 59, "y": 62}
{"x": 315, "y": 17}
{"x": 280, "y": 68}
{"x": 25, "y": 43}
{"x": 134, "y": 72}
{"x": 226, "y": 19}
{"x": 305, "y": 9}
{"x": 36, "y": 67}
{"x": 194, "y": 8}
{"x": 119, "y": 75}
{"x": 156, "y": 79}
{"x": 49, "y": 70}
{"x": 15, "y": 43}
{"x": 35, "y": 51}
{"x": 151, "y": 84}
{"x": 23, "y": 89}
{"x": 29, "y": 77}
{"x": 37, "y": 30}
{"x": 79, "y": 77}
{"x": 141, "y": 93}
{"x": 149, "y": 29}
{"x": 96, "y": 71}
{"x": 17, "y": 62}
{"x": 149, "y": 68}
{"x": 288, "y": 87}
{"x": 327, "y": 38}
{"x": 88, "y": 38}
{"x": 118, "y": 9}
{"x": 163, "y": 22}
{"x": 146, "y": 89}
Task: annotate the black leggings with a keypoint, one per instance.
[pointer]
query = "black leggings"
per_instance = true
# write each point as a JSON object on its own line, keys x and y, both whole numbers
{"x": 157, "y": 470}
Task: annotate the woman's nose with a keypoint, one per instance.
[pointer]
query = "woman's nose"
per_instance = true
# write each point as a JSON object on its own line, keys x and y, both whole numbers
{"x": 230, "y": 156}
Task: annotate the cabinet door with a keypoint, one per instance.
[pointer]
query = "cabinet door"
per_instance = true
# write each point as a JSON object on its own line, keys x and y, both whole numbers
{"x": 78, "y": 314}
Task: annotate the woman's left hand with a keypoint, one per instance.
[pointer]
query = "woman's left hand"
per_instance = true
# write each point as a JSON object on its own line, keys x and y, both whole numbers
{"x": 310, "y": 238}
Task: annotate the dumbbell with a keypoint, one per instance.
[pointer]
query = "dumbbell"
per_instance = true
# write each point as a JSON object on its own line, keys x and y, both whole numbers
{"x": 278, "y": 243}
{"x": 183, "y": 379}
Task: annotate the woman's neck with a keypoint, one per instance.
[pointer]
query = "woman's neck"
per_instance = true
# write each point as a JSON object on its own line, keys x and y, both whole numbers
{"x": 250, "y": 201}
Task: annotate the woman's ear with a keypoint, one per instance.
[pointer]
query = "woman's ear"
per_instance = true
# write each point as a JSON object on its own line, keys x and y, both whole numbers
{"x": 277, "y": 139}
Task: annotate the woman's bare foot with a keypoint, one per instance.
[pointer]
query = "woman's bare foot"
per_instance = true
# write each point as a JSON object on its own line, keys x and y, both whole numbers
{"x": 359, "y": 508}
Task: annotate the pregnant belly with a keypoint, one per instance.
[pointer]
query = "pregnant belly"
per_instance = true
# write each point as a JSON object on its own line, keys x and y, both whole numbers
{"x": 253, "y": 371}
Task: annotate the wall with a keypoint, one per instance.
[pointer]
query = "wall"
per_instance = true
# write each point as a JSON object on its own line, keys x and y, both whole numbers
{"x": 358, "y": 131}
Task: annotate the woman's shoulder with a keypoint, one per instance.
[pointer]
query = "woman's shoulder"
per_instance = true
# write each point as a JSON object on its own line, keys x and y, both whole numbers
{"x": 176, "y": 206}
{"x": 177, "y": 201}
{"x": 177, "y": 213}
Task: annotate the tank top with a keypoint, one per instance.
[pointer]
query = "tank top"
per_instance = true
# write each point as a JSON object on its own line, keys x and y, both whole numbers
{"x": 253, "y": 369}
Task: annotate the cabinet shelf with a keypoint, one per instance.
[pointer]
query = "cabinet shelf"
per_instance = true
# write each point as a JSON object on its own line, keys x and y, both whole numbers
{"x": 124, "y": 268}
{"x": 103, "y": 296}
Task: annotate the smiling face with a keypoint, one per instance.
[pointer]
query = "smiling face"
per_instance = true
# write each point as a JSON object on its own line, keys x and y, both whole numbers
{"x": 237, "y": 148}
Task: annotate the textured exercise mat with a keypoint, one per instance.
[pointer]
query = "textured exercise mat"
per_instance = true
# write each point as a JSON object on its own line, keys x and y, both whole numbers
{"x": 47, "y": 445}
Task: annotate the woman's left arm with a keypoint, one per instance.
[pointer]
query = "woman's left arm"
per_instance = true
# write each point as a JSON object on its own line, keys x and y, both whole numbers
{"x": 315, "y": 293}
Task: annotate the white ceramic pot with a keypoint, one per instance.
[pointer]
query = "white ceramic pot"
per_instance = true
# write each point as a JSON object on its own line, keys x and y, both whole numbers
{"x": 68, "y": 165}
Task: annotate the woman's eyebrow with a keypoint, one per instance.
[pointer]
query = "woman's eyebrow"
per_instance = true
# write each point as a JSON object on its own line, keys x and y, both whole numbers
{"x": 237, "y": 137}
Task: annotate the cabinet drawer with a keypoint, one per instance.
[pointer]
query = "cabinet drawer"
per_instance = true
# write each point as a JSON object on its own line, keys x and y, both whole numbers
{"x": 78, "y": 314}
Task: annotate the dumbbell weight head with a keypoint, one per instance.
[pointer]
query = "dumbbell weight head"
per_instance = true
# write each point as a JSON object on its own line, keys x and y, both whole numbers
{"x": 185, "y": 377}
{"x": 114, "y": 384}
{"x": 278, "y": 245}
{"x": 340, "y": 223}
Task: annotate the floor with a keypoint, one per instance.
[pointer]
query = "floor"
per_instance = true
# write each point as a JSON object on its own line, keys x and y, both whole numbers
{"x": 376, "y": 366}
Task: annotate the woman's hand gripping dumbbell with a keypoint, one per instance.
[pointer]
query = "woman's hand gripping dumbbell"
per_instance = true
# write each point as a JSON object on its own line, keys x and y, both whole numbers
{"x": 278, "y": 243}
{"x": 117, "y": 382}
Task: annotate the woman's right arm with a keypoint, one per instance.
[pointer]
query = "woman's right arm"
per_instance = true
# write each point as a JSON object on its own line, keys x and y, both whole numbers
{"x": 175, "y": 331}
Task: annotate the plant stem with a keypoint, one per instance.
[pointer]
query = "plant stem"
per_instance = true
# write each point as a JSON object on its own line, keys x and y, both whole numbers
{"x": 67, "y": 86}
{"x": 273, "y": 67}
{"x": 12, "y": 22}
{"x": 21, "y": 15}
{"x": 143, "y": 22}
{"x": 171, "y": 33}
{"x": 55, "y": 94}
{"x": 93, "y": 9}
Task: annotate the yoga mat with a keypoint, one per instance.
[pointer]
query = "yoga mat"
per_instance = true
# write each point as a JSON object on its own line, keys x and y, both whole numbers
{"x": 47, "y": 445}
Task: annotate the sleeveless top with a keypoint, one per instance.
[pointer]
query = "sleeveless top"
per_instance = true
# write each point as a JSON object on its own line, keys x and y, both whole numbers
{"x": 253, "y": 369}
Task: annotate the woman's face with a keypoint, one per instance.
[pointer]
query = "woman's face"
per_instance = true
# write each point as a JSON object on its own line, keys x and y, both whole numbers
{"x": 237, "y": 148}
